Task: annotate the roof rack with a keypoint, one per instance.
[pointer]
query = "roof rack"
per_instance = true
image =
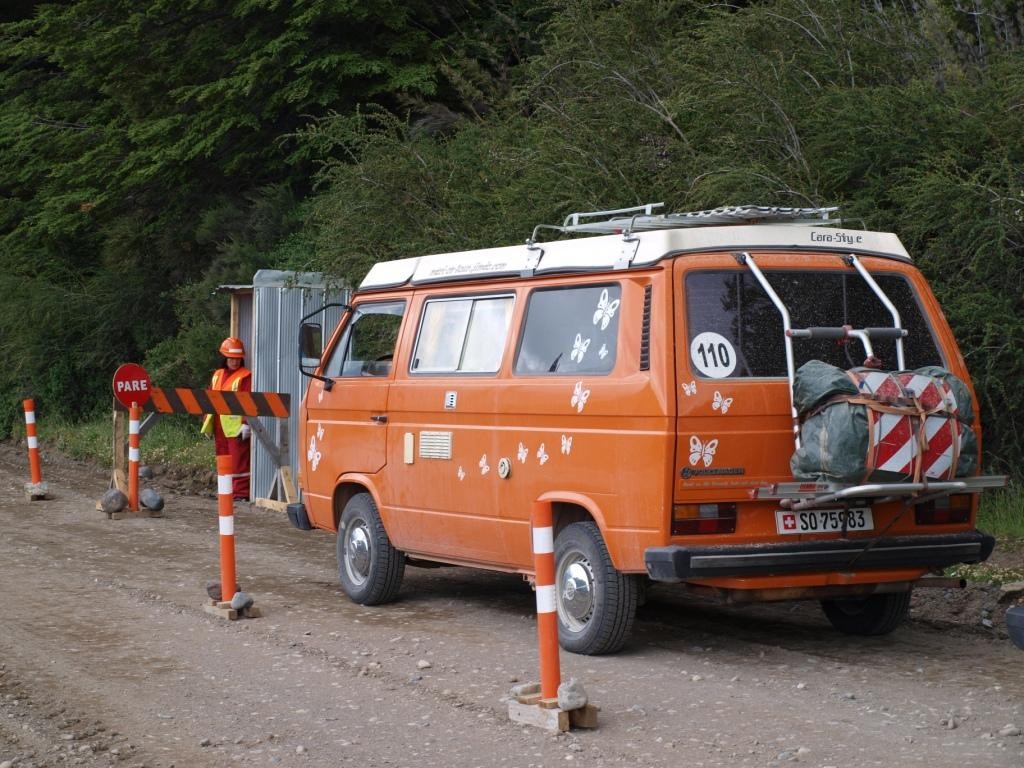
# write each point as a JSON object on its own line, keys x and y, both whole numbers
{"x": 643, "y": 218}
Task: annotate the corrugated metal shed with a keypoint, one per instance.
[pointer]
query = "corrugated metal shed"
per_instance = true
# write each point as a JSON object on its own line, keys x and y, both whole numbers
{"x": 268, "y": 323}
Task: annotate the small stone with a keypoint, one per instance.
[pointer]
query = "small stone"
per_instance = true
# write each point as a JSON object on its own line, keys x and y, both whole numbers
{"x": 300, "y": 750}
{"x": 205, "y": 743}
{"x": 696, "y": 678}
{"x": 801, "y": 686}
{"x": 525, "y": 689}
{"x": 145, "y": 473}
{"x": 423, "y": 664}
{"x": 113, "y": 501}
{"x": 1009, "y": 730}
{"x": 987, "y": 623}
{"x": 150, "y": 499}
{"x": 6, "y": 764}
{"x": 241, "y": 601}
{"x": 576, "y": 747}
{"x": 849, "y": 696}
{"x": 571, "y": 695}
{"x": 213, "y": 590}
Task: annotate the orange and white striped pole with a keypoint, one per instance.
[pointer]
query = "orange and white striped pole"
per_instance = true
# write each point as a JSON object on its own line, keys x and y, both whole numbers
{"x": 134, "y": 414}
{"x": 34, "y": 470}
{"x": 542, "y": 522}
{"x": 226, "y": 518}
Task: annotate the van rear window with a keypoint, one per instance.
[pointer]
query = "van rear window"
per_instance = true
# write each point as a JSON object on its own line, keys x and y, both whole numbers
{"x": 570, "y": 330}
{"x": 735, "y": 330}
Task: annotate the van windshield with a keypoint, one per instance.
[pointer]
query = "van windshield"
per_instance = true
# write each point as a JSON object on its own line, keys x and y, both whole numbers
{"x": 735, "y": 330}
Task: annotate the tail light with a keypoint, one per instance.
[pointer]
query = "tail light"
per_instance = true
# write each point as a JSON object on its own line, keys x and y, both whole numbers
{"x": 944, "y": 510}
{"x": 691, "y": 519}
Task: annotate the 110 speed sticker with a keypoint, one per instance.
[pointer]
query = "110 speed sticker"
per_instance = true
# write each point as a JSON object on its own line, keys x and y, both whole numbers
{"x": 713, "y": 355}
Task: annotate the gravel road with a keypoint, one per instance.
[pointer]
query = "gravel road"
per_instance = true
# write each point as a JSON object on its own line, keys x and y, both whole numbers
{"x": 108, "y": 659}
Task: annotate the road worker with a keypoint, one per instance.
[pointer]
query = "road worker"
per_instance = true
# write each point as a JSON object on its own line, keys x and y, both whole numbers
{"x": 230, "y": 433}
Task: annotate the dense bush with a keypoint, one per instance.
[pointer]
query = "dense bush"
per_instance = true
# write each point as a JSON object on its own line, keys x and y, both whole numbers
{"x": 147, "y": 155}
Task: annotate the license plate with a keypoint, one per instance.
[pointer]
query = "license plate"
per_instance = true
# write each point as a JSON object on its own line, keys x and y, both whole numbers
{"x": 823, "y": 520}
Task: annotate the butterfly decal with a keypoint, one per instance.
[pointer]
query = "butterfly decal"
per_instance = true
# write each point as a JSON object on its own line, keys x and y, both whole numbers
{"x": 542, "y": 455}
{"x": 605, "y": 310}
{"x": 720, "y": 402}
{"x": 461, "y": 473}
{"x": 522, "y": 453}
{"x": 702, "y": 451}
{"x": 484, "y": 466}
{"x": 579, "y": 348}
{"x": 603, "y": 351}
{"x": 320, "y": 432}
{"x": 579, "y": 397}
{"x": 312, "y": 454}
{"x": 690, "y": 389}
{"x": 566, "y": 444}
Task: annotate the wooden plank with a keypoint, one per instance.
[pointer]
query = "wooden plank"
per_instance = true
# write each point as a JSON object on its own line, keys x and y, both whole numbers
{"x": 288, "y": 484}
{"x": 120, "y": 451}
{"x": 274, "y": 504}
{"x": 223, "y": 609}
{"x": 585, "y": 717}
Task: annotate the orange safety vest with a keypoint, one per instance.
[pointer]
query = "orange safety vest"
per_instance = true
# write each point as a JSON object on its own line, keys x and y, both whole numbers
{"x": 231, "y": 424}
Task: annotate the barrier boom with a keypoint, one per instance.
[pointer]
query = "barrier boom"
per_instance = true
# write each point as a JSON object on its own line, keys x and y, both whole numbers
{"x": 224, "y": 403}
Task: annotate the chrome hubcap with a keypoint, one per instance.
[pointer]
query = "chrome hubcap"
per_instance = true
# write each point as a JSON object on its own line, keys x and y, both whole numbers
{"x": 576, "y": 591}
{"x": 357, "y": 552}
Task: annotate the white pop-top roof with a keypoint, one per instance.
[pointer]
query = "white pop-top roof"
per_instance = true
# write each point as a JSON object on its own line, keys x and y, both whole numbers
{"x": 638, "y": 249}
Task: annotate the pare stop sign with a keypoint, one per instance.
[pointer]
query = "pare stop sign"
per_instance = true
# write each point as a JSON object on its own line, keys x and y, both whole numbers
{"x": 132, "y": 385}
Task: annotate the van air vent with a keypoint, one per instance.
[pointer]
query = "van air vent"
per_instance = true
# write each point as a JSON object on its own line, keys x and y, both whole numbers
{"x": 645, "y": 332}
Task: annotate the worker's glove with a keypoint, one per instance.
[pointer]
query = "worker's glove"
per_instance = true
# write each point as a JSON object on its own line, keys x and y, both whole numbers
{"x": 245, "y": 432}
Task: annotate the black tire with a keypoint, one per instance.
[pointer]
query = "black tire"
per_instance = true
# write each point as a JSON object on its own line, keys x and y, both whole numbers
{"x": 875, "y": 615}
{"x": 370, "y": 569}
{"x": 596, "y": 604}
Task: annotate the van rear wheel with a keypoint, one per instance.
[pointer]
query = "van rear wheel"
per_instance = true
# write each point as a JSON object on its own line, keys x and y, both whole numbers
{"x": 596, "y": 604}
{"x": 874, "y": 615}
{"x": 369, "y": 567}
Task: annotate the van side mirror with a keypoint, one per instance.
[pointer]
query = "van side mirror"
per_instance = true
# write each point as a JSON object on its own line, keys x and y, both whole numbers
{"x": 311, "y": 347}
{"x": 311, "y": 344}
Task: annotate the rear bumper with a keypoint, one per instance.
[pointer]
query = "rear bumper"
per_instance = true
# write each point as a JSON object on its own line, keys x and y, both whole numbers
{"x": 678, "y": 563}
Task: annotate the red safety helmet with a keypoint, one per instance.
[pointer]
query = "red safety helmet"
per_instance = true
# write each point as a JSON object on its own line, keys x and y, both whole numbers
{"x": 232, "y": 347}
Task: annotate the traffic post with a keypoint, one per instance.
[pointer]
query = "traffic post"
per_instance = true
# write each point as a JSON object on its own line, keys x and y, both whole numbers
{"x": 35, "y": 489}
{"x": 228, "y": 607}
{"x": 133, "y": 457}
{"x": 538, "y": 703}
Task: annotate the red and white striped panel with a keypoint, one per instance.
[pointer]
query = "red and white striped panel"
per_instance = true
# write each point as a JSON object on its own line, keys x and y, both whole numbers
{"x": 894, "y": 440}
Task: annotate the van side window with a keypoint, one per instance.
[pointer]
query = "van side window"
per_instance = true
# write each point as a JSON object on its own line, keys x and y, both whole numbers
{"x": 740, "y": 329}
{"x": 368, "y": 343}
{"x": 570, "y": 330}
{"x": 464, "y": 335}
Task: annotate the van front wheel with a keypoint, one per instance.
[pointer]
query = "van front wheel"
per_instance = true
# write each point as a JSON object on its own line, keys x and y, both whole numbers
{"x": 369, "y": 567}
{"x": 596, "y": 604}
{"x": 874, "y": 615}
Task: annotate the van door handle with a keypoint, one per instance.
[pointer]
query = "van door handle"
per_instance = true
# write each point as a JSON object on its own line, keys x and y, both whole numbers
{"x": 381, "y": 418}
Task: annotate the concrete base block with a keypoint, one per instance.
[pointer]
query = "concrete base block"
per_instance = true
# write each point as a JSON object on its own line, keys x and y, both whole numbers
{"x": 36, "y": 491}
{"x": 553, "y": 720}
{"x": 529, "y": 708}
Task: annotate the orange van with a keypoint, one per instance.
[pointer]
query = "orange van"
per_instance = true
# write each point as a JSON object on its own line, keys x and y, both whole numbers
{"x": 640, "y": 378}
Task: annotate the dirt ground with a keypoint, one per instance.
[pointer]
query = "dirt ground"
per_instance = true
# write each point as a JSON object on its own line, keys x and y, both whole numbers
{"x": 108, "y": 659}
